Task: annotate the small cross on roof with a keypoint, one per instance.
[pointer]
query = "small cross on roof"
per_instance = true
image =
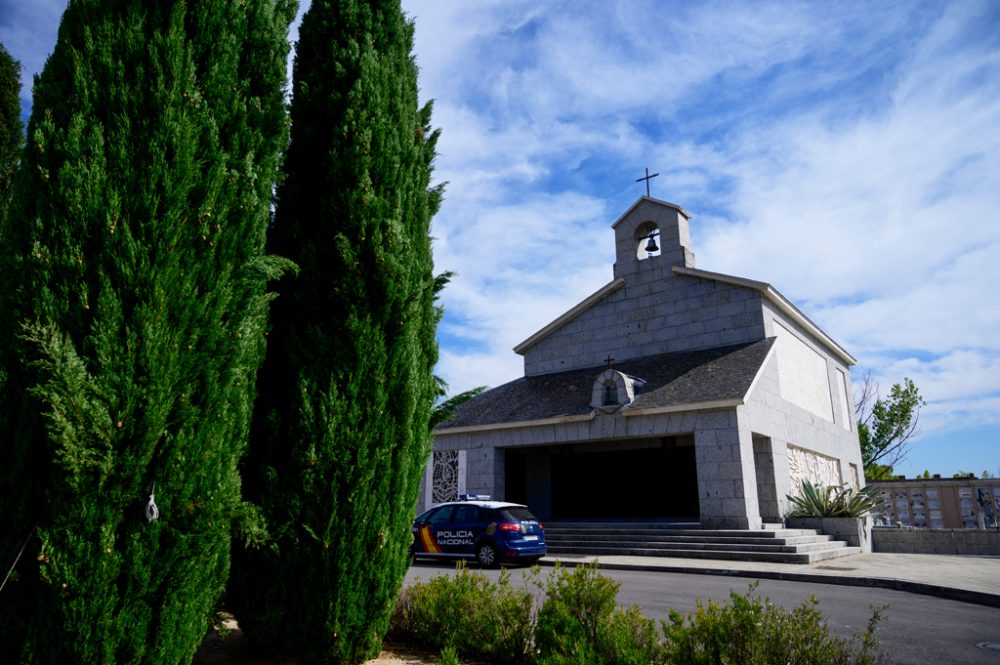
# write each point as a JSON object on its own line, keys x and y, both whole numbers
{"x": 647, "y": 179}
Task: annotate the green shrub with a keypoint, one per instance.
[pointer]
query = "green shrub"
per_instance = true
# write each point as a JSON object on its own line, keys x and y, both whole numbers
{"x": 469, "y": 614}
{"x": 629, "y": 638}
{"x": 579, "y": 623}
{"x": 833, "y": 501}
{"x": 753, "y": 631}
{"x": 449, "y": 657}
{"x": 576, "y": 603}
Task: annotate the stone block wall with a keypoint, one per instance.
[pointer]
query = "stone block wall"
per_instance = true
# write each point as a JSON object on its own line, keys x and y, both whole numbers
{"x": 655, "y": 312}
{"x": 964, "y": 542}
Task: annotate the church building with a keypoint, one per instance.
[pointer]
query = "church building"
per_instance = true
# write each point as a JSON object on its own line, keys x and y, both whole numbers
{"x": 670, "y": 393}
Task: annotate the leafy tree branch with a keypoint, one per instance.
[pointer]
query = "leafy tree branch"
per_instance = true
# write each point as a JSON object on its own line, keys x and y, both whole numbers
{"x": 886, "y": 425}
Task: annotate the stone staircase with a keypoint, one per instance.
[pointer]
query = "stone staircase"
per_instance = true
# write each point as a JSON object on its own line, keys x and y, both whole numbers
{"x": 772, "y": 543}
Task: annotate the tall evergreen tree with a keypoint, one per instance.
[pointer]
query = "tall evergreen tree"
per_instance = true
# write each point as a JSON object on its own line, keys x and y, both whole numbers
{"x": 11, "y": 136}
{"x": 134, "y": 307}
{"x": 340, "y": 434}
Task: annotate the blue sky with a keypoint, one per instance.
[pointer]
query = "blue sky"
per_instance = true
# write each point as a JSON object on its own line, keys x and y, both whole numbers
{"x": 847, "y": 153}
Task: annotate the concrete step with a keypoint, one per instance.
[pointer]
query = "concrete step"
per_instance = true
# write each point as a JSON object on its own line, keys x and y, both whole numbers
{"x": 614, "y": 530}
{"x": 567, "y": 545}
{"x": 771, "y": 543}
{"x": 770, "y": 557}
{"x": 602, "y": 537}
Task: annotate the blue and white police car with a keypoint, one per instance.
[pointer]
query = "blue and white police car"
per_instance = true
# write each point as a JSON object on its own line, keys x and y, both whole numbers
{"x": 474, "y": 527}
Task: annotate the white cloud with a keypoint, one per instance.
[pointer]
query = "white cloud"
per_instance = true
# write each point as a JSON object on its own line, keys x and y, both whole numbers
{"x": 846, "y": 152}
{"x": 852, "y": 161}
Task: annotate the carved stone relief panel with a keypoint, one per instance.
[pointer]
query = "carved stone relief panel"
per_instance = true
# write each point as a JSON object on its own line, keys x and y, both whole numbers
{"x": 807, "y": 465}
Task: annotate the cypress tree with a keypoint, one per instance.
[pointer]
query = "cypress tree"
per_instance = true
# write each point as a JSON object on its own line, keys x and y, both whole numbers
{"x": 11, "y": 137}
{"x": 340, "y": 434}
{"x": 134, "y": 306}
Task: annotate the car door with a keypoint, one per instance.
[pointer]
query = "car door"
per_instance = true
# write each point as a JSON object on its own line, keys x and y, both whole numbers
{"x": 433, "y": 522}
{"x": 466, "y": 528}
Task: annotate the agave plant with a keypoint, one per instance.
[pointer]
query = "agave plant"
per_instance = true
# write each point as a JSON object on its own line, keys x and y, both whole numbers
{"x": 833, "y": 501}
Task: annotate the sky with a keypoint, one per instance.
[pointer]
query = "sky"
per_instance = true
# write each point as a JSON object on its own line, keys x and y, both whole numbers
{"x": 847, "y": 153}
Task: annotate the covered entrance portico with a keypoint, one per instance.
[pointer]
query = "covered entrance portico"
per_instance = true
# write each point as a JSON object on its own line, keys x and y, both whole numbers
{"x": 652, "y": 478}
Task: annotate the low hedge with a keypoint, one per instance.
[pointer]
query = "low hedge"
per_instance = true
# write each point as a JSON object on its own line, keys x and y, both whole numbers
{"x": 579, "y": 623}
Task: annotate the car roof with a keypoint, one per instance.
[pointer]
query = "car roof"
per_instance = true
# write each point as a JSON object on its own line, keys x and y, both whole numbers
{"x": 483, "y": 504}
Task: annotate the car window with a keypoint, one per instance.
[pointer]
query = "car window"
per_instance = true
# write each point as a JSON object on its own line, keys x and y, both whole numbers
{"x": 440, "y": 516}
{"x": 518, "y": 513}
{"x": 466, "y": 514}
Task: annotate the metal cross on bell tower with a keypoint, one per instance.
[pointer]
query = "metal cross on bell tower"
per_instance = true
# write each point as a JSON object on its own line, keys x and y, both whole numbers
{"x": 647, "y": 179}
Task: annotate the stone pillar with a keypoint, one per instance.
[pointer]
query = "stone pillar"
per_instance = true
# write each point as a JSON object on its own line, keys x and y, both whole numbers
{"x": 773, "y": 483}
{"x": 484, "y": 471}
{"x": 763, "y": 459}
{"x": 425, "y": 502}
{"x": 727, "y": 482}
{"x": 782, "y": 476}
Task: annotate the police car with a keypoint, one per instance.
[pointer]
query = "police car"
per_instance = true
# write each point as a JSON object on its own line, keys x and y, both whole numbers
{"x": 474, "y": 527}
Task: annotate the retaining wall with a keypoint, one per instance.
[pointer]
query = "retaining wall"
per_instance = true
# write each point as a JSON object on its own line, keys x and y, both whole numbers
{"x": 936, "y": 541}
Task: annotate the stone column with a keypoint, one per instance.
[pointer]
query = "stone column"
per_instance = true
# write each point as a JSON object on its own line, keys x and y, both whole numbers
{"x": 773, "y": 482}
{"x": 727, "y": 482}
{"x": 484, "y": 472}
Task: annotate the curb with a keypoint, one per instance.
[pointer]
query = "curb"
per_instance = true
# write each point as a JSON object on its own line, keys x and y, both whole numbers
{"x": 909, "y": 586}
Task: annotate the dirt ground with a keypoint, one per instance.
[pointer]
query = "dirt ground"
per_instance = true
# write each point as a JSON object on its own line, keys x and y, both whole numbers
{"x": 226, "y": 645}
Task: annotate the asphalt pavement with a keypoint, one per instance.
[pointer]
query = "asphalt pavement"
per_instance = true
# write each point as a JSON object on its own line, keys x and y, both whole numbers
{"x": 971, "y": 579}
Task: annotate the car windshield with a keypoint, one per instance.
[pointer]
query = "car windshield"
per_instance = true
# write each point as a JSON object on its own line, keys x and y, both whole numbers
{"x": 518, "y": 513}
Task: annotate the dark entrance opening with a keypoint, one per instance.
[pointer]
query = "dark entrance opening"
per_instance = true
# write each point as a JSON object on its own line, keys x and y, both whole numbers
{"x": 515, "y": 476}
{"x": 648, "y": 482}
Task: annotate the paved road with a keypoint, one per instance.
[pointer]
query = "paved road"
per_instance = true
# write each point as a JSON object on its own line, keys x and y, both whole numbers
{"x": 918, "y": 629}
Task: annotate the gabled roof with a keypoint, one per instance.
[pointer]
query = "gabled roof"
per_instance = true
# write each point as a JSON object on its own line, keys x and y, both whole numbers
{"x": 639, "y": 200}
{"x": 682, "y": 381}
{"x": 768, "y": 291}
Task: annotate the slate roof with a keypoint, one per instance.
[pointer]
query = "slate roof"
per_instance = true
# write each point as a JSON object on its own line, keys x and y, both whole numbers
{"x": 671, "y": 379}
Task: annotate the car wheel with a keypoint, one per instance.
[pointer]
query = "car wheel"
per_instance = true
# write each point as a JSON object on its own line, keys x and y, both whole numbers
{"x": 486, "y": 555}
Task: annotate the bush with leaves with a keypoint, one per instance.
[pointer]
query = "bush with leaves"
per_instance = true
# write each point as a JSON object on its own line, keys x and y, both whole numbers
{"x": 579, "y": 623}
{"x": 468, "y": 615}
{"x": 753, "y": 631}
{"x": 577, "y": 602}
{"x": 833, "y": 501}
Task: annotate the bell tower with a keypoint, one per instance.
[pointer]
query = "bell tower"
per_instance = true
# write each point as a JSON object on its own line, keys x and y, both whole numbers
{"x": 652, "y": 233}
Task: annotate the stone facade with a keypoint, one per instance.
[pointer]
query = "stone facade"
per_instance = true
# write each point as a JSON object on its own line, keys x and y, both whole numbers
{"x": 755, "y": 416}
